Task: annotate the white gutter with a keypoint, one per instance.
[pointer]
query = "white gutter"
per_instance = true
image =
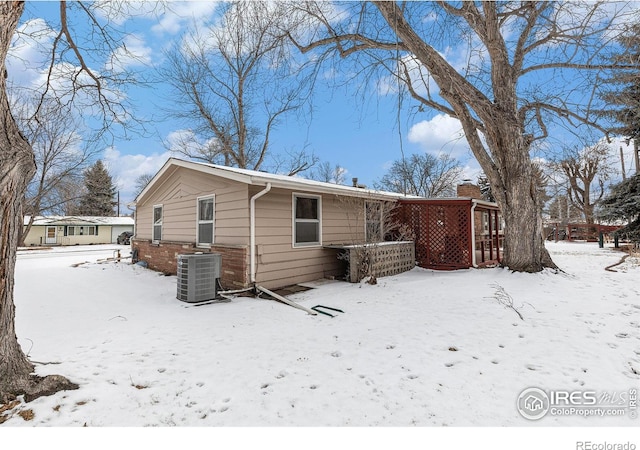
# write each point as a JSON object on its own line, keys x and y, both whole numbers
{"x": 252, "y": 250}
{"x": 473, "y": 233}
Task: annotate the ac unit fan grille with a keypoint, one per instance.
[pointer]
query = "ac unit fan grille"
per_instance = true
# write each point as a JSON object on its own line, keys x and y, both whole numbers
{"x": 197, "y": 277}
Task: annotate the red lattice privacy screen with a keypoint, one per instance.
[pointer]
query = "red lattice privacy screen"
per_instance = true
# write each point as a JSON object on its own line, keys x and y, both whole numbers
{"x": 442, "y": 232}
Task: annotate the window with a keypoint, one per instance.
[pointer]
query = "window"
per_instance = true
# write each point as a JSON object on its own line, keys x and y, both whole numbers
{"x": 205, "y": 221}
{"x": 76, "y": 230}
{"x": 306, "y": 220}
{"x": 157, "y": 223}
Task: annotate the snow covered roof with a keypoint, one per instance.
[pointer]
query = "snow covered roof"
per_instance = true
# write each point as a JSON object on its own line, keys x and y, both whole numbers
{"x": 79, "y": 220}
{"x": 254, "y": 177}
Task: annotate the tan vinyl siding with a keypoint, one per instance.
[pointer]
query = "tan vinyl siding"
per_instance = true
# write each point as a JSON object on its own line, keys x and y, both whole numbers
{"x": 279, "y": 263}
{"x": 178, "y": 191}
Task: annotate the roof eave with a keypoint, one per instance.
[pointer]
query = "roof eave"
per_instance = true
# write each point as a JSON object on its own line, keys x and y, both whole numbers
{"x": 257, "y": 180}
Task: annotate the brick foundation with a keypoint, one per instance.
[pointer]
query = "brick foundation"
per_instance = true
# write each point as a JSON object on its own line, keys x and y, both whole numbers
{"x": 163, "y": 257}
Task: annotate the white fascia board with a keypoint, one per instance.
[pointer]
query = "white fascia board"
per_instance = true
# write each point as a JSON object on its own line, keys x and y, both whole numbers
{"x": 252, "y": 177}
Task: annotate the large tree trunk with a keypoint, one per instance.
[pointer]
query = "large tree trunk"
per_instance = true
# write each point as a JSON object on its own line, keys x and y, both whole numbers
{"x": 505, "y": 156}
{"x": 524, "y": 249}
{"x": 510, "y": 173}
{"x": 17, "y": 166}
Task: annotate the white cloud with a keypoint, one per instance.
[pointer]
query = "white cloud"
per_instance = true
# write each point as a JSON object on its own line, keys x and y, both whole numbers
{"x": 441, "y": 134}
{"x": 617, "y": 144}
{"x": 29, "y": 51}
{"x": 133, "y": 53}
{"x": 125, "y": 169}
{"x": 180, "y": 14}
{"x": 185, "y": 142}
{"x": 471, "y": 171}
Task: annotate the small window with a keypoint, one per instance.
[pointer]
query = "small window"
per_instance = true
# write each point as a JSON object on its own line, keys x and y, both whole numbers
{"x": 92, "y": 231}
{"x": 205, "y": 221}
{"x": 71, "y": 231}
{"x": 157, "y": 223}
{"x": 306, "y": 221}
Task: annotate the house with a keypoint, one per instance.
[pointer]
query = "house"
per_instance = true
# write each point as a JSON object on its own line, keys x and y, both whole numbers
{"x": 271, "y": 230}
{"x": 76, "y": 230}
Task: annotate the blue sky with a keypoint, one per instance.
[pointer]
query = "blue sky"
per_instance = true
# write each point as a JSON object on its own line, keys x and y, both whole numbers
{"x": 364, "y": 136}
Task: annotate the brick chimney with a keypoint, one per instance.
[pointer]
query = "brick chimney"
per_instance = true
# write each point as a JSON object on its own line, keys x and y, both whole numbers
{"x": 468, "y": 189}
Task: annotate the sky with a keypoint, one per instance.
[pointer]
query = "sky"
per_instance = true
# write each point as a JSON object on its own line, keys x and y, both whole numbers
{"x": 362, "y": 134}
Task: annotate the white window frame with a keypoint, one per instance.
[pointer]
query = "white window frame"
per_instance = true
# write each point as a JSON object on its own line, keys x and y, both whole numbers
{"x": 154, "y": 223}
{"x": 199, "y": 222}
{"x": 295, "y": 221}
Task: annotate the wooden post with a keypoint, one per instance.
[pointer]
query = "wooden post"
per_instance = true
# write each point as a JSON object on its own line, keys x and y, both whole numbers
{"x": 497, "y": 237}
{"x": 636, "y": 153}
{"x": 490, "y": 235}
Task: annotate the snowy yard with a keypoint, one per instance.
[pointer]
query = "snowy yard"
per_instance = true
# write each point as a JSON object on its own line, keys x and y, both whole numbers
{"x": 422, "y": 348}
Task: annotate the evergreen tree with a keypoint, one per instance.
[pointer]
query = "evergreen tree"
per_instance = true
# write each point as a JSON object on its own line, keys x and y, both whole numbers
{"x": 485, "y": 188}
{"x": 623, "y": 204}
{"x": 624, "y": 96}
{"x": 98, "y": 199}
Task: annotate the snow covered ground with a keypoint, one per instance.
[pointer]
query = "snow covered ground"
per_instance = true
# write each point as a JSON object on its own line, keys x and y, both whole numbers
{"x": 423, "y": 348}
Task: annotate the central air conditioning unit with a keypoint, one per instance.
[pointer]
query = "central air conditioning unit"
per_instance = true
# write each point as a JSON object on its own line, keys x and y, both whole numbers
{"x": 198, "y": 276}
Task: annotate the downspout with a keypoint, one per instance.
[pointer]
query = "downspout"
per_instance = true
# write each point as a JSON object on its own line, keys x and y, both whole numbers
{"x": 473, "y": 233}
{"x": 253, "y": 256}
{"x": 252, "y": 250}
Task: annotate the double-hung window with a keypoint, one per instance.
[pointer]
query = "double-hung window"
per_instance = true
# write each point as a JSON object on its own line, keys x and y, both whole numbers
{"x": 206, "y": 217}
{"x": 307, "y": 218}
{"x": 157, "y": 223}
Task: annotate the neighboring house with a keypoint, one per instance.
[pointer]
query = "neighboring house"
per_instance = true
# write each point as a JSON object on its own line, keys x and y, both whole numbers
{"x": 272, "y": 230}
{"x": 76, "y": 230}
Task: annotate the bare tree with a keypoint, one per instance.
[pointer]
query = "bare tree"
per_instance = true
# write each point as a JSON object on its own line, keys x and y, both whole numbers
{"x": 369, "y": 224}
{"x": 233, "y": 83}
{"x": 60, "y": 153}
{"x": 70, "y": 80}
{"x": 561, "y": 210}
{"x": 141, "y": 182}
{"x": 291, "y": 162}
{"x": 424, "y": 175}
{"x": 585, "y": 172}
{"x": 17, "y": 166}
{"x": 500, "y": 93}
{"x": 328, "y": 173}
